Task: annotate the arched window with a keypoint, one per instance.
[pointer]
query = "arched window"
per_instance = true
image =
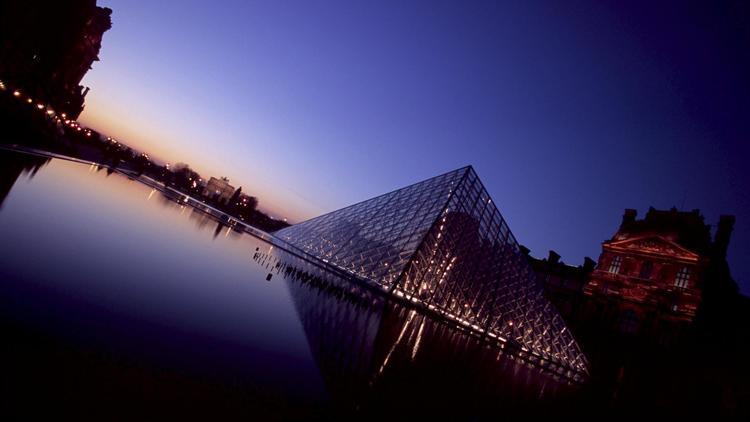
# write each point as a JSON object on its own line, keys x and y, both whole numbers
{"x": 614, "y": 265}
{"x": 682, "y": 278}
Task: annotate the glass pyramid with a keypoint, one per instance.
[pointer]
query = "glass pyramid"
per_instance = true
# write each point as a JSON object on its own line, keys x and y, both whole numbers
{"x": 443, "y": 245}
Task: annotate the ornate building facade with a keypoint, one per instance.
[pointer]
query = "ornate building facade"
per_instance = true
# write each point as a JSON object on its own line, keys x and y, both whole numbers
{"x": 651, "y": 274}
{"x": 659, "y": 315}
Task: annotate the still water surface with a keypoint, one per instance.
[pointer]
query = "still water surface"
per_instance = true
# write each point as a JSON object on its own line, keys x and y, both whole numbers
{"x": 116, "y": 300}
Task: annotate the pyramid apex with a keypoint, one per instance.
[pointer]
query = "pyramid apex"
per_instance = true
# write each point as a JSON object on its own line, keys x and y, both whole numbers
{"x": 439, "y": 242}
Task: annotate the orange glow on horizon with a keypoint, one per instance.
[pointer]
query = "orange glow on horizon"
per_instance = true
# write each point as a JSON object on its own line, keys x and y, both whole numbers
{"x": 277, "y": 201}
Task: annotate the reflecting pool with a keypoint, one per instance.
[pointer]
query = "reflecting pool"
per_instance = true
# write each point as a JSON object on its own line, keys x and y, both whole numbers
{"x": 119, "y": 300}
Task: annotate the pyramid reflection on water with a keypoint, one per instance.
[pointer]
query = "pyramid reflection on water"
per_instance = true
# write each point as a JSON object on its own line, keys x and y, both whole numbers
{"x": 379, "y": 358}
{"x": 443, "y": 245}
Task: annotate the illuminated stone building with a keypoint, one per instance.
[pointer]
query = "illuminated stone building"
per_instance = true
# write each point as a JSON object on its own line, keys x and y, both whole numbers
{"x": 46, "y": 48}
{"x": 651, "y": 274}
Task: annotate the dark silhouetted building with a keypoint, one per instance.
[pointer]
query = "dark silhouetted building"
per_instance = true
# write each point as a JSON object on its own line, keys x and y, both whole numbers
{"x": 46, "y": 48}
{"x": 563, "y": 284}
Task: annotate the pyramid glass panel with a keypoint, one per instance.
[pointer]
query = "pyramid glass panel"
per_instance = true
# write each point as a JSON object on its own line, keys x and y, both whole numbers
{"x": 443, "y": 245}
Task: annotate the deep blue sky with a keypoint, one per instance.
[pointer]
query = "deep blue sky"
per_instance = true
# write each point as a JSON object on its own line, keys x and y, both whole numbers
{"x": 569, "y": 111}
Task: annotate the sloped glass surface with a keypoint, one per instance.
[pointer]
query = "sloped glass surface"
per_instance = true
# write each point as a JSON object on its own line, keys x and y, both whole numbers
{"x": 443, "y": 244}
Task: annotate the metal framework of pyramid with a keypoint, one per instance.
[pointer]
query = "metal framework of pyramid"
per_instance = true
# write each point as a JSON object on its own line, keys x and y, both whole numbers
{"x": 442, "y": 243}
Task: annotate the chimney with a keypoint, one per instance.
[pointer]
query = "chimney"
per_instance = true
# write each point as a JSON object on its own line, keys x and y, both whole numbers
{"x": 629, "y": 216}
{"x": 722, "y": 236}
{"x": 553, "y": 257}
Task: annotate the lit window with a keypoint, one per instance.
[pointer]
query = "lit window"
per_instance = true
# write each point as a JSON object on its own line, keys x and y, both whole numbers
{"x": 614, "y": 266}
{"x": 682, "y": 277}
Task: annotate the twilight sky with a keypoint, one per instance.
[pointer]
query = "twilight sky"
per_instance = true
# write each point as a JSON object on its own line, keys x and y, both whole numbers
{"x": 569, "y": 111}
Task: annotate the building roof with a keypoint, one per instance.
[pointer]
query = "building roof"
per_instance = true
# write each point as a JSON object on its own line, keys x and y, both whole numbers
{"x": 685, "y": 228}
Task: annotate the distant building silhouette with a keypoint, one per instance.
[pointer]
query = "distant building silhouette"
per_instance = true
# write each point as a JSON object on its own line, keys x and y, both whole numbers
{"x": 46, "y": 48}
{"x": 219, "y": 190}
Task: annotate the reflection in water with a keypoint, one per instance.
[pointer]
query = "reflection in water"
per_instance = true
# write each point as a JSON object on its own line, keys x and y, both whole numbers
{"x": 378, "y": 357}
{"x": 197, "y": 211}
{"x": 130, "y": 298}
{"x": 111, "y": 301}
{"x": 13, "y": 165}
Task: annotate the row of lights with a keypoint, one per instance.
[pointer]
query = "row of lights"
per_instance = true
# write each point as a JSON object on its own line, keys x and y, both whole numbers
{"x": 62, "y": 118}
{"x": 476, "y": 327}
